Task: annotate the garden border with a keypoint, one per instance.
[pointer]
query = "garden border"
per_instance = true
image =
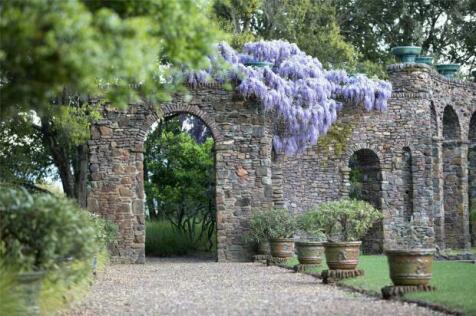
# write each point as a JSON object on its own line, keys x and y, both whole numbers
{"x": 432, "y": 306}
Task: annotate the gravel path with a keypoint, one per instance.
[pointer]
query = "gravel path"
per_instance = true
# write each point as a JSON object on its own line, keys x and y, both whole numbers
{"x": 197, "y": 287}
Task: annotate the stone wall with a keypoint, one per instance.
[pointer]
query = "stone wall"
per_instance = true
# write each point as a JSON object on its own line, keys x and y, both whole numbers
{"x": 420, "y": 174}
{"x": 243, "y": 167}
{"x": 417, "y": 165}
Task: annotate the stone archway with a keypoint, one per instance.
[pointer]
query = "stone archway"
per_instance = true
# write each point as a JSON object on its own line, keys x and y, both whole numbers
{"x": 366, "y": 184}
{"x": 472, "y": 174}
{"x": 453, "y": 165}
{"x": 243, "y": 168}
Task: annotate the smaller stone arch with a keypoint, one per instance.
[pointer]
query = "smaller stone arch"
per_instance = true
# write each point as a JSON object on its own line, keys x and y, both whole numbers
{"x": 365, "y": 181}
{"x": 433, "y": 120}
{"x": 406, "y": 189}
{"x": 454, "y": 193}
{"x": 451, "y": 124}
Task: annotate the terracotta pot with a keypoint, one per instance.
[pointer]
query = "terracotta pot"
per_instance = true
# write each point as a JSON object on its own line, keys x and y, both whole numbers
{"x": 263, "y": 248}
{"x": 309, "y": 252}
{"x": 342, "y": 255}
{"x": 410, "y": 267}
{"x": 30, "y": 286}
{"x": 282, "y": 247}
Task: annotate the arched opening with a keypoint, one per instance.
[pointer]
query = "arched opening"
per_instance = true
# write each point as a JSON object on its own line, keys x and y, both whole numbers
{"x": 452, "y": 180}
{"x": 179, "y": 185}
{"x": 472, "y": 177}
{"x": 407, "y": 184}
{"x": 365, "y": 180}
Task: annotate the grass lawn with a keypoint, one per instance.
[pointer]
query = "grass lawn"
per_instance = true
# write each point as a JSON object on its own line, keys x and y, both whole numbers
{"x": 455, "y": 282}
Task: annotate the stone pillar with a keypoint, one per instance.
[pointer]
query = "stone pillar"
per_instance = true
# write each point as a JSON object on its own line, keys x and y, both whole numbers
{"x": 438, "y": 183}
{"x": 277, "y": 179}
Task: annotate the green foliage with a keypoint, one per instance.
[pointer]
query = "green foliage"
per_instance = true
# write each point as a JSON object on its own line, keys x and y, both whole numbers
{"x": 42, "y": 231}
{"x": 278, "y": 223}
{"x": 310, "y": 223}
{"x": 337, "y": 138}
{"x": 11, "y": 300}
{"x": 311, "y": 24}
{"x": 346, "y": 219}
{"x": 258, "y": 231}
{"x": 23, "y": 158}
{"x": 444, "y": 29}
{"x": 164, "y": 240}
{"x": 180, "y": 180}
{"x": 112, "y": 48}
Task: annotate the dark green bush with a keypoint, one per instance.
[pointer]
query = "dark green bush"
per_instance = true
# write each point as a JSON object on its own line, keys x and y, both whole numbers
{"x": 164, "y": 240}
{"x": 44, "y": 232}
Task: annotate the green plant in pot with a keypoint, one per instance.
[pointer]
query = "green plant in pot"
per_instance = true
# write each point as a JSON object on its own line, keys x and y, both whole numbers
{"x": 258, "y": 233}
{"x": 280, "y": 228}
{"x": 409, "y": 262}
{"x": 310, "y": 247}
{"x": 344, "y": 222}
{"x": 38, "y": 234}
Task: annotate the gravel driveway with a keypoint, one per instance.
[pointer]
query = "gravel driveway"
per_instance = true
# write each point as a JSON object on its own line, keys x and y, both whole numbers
{"x": 198, "y": 287}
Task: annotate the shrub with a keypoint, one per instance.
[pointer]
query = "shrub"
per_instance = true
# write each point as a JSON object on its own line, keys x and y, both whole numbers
{"x": 346, "y": 219}
{"x": 11, "y": 300}
{"x": 258, "y": 231}
{"x": 277, "y": 223}
{"x": 42, "y": 231}
{"x": 163, "y": 239}
{"x": 310, "y": 224}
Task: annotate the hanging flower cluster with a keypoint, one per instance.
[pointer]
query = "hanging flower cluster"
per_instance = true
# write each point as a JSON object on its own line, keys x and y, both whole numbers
{"x": 303, "y": 97}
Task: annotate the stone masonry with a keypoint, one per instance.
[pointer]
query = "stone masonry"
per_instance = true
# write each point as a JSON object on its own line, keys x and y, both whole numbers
{"x": 418, "y": 160}
{"x": 421, "y": 143}
{"x": 243, "y": 167}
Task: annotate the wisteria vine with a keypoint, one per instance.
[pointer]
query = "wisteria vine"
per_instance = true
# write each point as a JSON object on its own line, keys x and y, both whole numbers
{"x": 303, "y": 97}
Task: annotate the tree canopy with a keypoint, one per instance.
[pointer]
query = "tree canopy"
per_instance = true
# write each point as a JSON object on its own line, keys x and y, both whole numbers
{"x": 118, "y": 49}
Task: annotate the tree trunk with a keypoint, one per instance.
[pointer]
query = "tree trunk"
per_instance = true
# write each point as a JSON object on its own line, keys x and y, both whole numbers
{"x": 80, "y": 167}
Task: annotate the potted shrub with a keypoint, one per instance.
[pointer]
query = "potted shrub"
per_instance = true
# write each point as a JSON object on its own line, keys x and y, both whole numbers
{"x": 280, "y": 227}
{"x": 410, "y": 263}
{"x": 258, "y": 233}
{"x": 406, "y": 54}
{"x": 344, "y": 222}
{"x": 309, "y": 250}
{"x": 38, "y": 233}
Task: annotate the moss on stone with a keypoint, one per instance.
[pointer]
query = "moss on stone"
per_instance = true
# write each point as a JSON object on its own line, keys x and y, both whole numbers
{"x": 337, "y": 138}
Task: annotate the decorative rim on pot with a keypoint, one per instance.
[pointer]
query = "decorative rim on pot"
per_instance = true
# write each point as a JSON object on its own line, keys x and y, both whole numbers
{"x": 410, "y": 252}
{"x": 341, "y": 243}
{"x": 258, "y": 64}
{"x": 281, "y": 239}
{"x": 406, "y": 54}
{"x": 309, "y": 242}
{"x": 424, "y": 60}
{"x": 447, "y": 70}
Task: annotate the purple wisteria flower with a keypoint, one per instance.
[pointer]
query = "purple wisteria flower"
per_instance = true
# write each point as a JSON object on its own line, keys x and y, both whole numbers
{"x": 303, "y": 98}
